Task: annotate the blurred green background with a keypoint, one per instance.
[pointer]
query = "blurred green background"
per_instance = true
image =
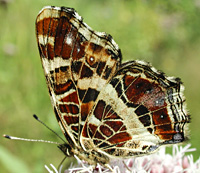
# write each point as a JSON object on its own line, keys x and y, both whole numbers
{"x": 165, "y": 33}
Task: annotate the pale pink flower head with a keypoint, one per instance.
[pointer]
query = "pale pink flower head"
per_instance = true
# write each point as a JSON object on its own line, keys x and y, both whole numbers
{"x": 160, "y": 162}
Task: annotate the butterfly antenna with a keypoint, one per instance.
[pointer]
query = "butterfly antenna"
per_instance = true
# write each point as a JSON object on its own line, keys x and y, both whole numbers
{"x": 29, "y": 140}
{"x": 36, "y": 117}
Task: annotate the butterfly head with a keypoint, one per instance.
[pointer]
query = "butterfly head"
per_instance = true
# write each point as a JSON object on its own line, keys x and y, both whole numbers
{"x": 66, "y": 149}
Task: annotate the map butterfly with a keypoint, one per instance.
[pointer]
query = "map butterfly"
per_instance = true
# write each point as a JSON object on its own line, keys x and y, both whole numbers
{"x": 106, "y": 109}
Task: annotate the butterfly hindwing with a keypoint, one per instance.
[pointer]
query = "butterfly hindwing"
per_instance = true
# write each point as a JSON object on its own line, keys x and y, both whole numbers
{"x": 136, "y": 112}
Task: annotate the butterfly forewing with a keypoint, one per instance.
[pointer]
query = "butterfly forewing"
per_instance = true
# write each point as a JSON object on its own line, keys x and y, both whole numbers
{"x": 77, "y": 62}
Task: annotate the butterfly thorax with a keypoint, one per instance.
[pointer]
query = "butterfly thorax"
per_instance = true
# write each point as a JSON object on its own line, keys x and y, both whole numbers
{"x": 92, "y": 157}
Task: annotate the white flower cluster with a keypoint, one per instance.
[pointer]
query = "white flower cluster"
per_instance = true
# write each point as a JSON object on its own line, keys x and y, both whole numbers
{"x": 159, "y": 162}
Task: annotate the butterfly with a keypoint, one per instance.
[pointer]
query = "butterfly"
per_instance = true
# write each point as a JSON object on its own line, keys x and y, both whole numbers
{"x": 106, "y": 109}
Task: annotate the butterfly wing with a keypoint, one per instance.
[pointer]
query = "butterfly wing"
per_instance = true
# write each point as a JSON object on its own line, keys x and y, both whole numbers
{"x": 77, "y": 63}
{"x": 101, "y": 105}
{"x": 136, "y": 112}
